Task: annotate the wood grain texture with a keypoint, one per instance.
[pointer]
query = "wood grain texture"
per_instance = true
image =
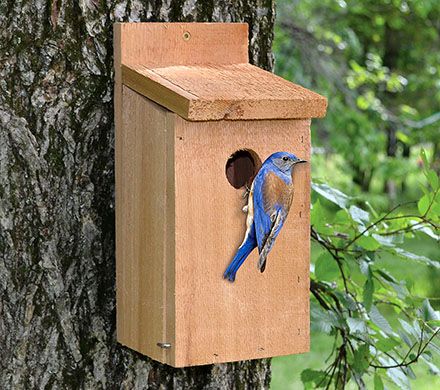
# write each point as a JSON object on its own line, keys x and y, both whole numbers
{"x": 164, "y": 93}
{"x": 237, "y": 91}
{"x": 260, "y": 314}
{"x": 201, "y": 72}
{"x": 145, "y": 232}
{"x": 157, "y": 45}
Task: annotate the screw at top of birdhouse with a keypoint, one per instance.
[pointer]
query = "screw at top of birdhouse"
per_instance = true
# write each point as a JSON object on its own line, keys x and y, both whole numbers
{"x": 186, "y": 36}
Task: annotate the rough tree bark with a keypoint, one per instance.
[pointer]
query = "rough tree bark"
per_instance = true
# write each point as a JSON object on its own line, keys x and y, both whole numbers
{"x": 57, "y": 266}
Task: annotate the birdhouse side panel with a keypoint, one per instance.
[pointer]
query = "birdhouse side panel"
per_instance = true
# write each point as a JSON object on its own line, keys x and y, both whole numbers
{"x": 145, "y": 226}
{"x": 260, "y": 314}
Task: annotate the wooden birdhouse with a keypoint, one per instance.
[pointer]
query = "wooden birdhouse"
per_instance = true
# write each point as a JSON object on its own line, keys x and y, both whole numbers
{"x": 194, "y": 121}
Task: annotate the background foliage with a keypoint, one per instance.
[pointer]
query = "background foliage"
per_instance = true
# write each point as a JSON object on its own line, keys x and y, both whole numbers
{"x": 375, "y": 275}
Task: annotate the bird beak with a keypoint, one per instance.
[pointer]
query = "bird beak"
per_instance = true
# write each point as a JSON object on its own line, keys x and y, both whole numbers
{"x": 301, "y": 161}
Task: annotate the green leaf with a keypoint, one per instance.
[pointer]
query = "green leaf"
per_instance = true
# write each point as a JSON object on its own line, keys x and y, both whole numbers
{"x": 356, "y": 325}
{"x": 409, "y": 329}
{"x": 347, "y": 300}
{"x": 424, "y": 157}
{"x": 428, "y": 231}
{"x": 432, "y": 179}
{"x": 314, "y": 376}
{"x": 316, "y": 214}
{"x": 402, "y": 137}
{"x": 364, "y": 266}
{"x": 319, "y": 218}
{"x": 323, "y": 320}
{"x": 401, "y": 288}
{"x": 362, "y": 102}
{"x": 435, "y": 208}
{"x": 342, "y": 218}
{"x": 433, "y": 369}
{"x": 434, "y": 348}
{"x": 368, "y": 242}
{"x": 390, "y": 240}
{"x": 356, "y": 67}
{"x": 423, "y": 204}
{"x": 378, "y": 384}
{"x": 368, "y": 292}
{"x": 409, "y": 371}
{"x": 326, "y": 267}
{"x": 332, "y": 194}
{"x": 435, "y": 323}
{"x": 359, "y": 215}
{"x": 361, "y": 359}
{"x": 412, "y": 256}
{"x": 428, "y": 313}
{"x": 387, "y": 344}
{"x": 379, "y": 320}
{"x": 386, "y": 275}
{"x": 399, "y": 378}
{"x": 406, "y": 339}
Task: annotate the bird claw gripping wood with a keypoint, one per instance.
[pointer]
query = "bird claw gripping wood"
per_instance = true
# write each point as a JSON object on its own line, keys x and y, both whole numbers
{"x": 246, "y": 193}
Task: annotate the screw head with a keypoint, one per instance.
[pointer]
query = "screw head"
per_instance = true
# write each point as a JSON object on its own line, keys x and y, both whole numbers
{"x": 186, "y": 36}
{"x": 164, "y": 345}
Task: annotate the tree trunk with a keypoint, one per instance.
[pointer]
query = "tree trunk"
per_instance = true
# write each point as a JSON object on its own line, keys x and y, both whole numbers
{"x": 57, "y": 266}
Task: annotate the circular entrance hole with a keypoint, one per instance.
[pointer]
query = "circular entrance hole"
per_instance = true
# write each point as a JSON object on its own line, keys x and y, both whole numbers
{"x": 241, "y": 168}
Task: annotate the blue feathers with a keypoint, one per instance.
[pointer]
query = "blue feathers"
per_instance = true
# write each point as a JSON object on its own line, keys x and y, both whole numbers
{"x": 268, "y": 205}
{"x": 243, "y": 252}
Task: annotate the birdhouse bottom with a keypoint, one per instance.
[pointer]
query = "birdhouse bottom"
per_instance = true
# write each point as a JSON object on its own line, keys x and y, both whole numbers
{"x": 179, "y": 187}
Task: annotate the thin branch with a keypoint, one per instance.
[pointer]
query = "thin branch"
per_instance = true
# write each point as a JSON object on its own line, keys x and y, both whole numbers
{"x": 413, "y": 360}
{"x": 421, "y": 338}
{"x": 430, "y": 120}
{"x": 383, "y": 218}
{"x": 315, "y": 291}
{"x": 431, "y": 203}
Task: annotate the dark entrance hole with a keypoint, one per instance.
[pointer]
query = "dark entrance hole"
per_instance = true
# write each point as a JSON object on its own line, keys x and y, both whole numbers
{"x": 241, "y": 168}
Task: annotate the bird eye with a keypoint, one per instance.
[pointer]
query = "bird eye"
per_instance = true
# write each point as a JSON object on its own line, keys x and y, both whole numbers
{"x": 285, "y": 158}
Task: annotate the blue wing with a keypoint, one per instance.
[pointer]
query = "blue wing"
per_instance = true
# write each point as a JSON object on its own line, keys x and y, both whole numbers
{"x": 278, "y": 222}
{"x": 262, "y": 221}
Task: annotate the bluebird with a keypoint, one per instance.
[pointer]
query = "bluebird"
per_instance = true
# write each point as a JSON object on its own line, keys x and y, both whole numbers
{"x": 270, "y": 197}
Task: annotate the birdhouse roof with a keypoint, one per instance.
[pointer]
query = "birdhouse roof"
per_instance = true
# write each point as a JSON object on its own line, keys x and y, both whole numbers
{"x": 201, "y": 72}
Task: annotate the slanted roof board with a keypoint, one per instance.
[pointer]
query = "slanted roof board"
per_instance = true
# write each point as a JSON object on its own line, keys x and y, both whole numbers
{"x": 225, "y": 86}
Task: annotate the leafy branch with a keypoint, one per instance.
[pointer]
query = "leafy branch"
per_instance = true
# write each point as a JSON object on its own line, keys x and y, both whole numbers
{"x": 421, "y": 349}
{"x": 350, "y": 290}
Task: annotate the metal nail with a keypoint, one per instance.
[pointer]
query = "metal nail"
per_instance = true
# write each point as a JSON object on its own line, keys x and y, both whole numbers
{"x": 164, "y": 345}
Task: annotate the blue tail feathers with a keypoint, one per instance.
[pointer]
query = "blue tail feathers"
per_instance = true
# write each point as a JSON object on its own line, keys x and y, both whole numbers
{"x": 239, "y": 258}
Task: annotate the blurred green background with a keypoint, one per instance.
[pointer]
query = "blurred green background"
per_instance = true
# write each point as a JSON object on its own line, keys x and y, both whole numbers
{"x": 378, "y": 63}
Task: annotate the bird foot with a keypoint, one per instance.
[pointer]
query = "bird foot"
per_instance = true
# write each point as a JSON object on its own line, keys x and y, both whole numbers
{"x": 246, "y": 192}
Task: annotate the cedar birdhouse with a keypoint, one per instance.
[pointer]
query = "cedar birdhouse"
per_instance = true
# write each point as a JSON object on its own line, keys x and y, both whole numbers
{"x": 194, "y": 121}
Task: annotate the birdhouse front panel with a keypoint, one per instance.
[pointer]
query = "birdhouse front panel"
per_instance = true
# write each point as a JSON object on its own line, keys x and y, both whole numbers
{"x": 198, "y": 217}
{"x": 260, "y": 314}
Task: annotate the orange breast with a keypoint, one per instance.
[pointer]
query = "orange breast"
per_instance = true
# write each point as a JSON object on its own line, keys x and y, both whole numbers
{"x": 276, "y": 192}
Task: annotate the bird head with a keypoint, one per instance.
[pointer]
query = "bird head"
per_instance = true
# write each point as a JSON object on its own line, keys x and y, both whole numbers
{"x": 285, "y": 161}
